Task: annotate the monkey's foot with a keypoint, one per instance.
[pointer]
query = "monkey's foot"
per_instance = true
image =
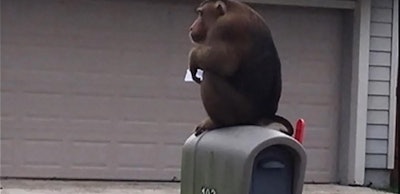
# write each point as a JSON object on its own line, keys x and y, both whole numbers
{"x": 206, "y": 125}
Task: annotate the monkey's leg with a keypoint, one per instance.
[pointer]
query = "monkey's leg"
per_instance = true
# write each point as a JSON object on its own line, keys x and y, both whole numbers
{"x": 224, "y": 104}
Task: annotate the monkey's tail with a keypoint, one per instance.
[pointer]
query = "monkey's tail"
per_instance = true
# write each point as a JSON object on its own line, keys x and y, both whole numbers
{"x": 284, "y": 122}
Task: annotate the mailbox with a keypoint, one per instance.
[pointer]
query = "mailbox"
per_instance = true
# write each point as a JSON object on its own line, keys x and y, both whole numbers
{"x": 242, "y": 160}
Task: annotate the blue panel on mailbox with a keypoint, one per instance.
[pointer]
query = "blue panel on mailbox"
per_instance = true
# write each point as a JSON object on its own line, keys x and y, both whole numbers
{"x": 273, "y": 171}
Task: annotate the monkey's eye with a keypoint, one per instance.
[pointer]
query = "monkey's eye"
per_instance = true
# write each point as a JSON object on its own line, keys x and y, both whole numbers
{"x": 199, "y": 12}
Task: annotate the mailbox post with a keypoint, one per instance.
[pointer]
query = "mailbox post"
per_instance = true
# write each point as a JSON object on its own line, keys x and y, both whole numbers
{"x": 242, "y": 160}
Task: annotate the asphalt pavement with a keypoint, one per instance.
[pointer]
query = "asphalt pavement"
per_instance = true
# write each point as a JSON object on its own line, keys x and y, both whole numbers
{"x": 105, "y": 187}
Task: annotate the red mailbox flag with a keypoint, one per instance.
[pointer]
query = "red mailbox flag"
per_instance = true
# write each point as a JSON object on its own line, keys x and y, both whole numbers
{"x": 299, "y": 133}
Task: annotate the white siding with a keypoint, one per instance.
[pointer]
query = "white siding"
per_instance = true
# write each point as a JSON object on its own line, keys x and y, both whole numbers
{"x": 379, "y": 58}
{"x": 383, "y": 15}
{"x": 382, "y": 3}
{"x": 377, "y": 131}
{"x": 378, "y": 87}
{"x": 381, "y": 44}
{"x": 381, "y": 29}
{"x": 379, "y": 84}
{"x": 375, "y": 161}
{"x": 378, "y": 102}
{"x": 377, "y": 73}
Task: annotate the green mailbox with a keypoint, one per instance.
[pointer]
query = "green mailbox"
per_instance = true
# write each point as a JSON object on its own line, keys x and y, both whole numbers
{"x": 242, "y": 160}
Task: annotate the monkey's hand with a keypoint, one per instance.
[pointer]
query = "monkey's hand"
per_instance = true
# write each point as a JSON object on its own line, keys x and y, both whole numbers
{"x": 193, "y": 71}
{"x": 206, "y": 125}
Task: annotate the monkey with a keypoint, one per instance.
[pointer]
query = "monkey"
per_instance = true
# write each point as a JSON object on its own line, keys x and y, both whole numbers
{"x": 241, "y": 82}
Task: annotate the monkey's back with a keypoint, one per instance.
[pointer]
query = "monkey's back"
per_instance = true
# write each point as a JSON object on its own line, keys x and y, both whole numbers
{"x": 259, "y": 75}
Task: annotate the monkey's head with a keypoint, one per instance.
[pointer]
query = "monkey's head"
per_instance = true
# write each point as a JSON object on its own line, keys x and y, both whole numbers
{"x": 207, "y": 14}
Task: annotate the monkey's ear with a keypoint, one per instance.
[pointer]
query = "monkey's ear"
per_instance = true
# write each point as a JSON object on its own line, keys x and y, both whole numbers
{"x": 221, "y": 7}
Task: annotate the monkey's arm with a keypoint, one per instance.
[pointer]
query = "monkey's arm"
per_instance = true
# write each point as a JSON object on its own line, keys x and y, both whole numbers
{"x": 220, "y": 58}
{"x": 227, "y": 43}
{"x": 193, "y": 67}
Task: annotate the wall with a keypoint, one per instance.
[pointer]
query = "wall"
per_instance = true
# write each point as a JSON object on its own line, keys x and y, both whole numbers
{"x": 379, "y": 127}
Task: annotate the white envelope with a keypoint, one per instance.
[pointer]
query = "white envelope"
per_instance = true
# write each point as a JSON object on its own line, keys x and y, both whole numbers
{"x": 188, "y": 76}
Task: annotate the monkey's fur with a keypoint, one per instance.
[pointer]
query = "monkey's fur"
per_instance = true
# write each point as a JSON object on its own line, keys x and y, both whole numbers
{"x": 242, "y": 71}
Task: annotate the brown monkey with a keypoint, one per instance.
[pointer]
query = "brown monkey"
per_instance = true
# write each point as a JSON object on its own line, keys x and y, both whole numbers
{"x": 242, "y": 71}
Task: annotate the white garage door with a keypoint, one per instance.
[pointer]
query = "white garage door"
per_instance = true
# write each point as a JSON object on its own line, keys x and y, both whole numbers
{"x": 94, "y": 89}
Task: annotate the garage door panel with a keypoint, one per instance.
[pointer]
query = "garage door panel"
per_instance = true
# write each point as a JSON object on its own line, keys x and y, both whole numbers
{"x": 179, "y": 18}
{"x": 137, "y": 86}
{"x": 97, "y": 172}
{"x": 308, "y": 93}
{"x": 10, "y": 104}
{"x": 171, "y": 155}
{"x": 60, "y": 83}
{"x": 142, "y": 135}
{"x": 45, "y": 171}
{"x": 320, "y": 163}
{"x": 189, "y": 111}
{"x": 178, "y": 89}
{"x": 130, "y": 155}
{"x": 7, "y": 123}
{"x": 304, "y": 21}
{"x": 59, "y": 126}
{"x": 320, "y": 116}
{"x": 82, "y": 84}
{"x": 89, "y": 153}
{"x": 7, "y": 153}
{"x": 96, "y": 60}
{"x": 312, "y": 71}
{"x": 90, "y": 85}
{"x": 142, "y": 128}
{"x": 56, "y": 58}
{"x": 45, "y": 134}
{"x": 42, "y": 152}
{"x": 177, "y": 68}
{"x": 317, "y": 137}
{"x": 140, "y": 173}
{"x": 79, "y": 107}
{"x": 151, "y": 61}
{"x": 175, "y": 133}
{"x": 36, "y": 81}
{"x": 139, "y": 109}
{"x": 38, "y": 105}
{"x": 319, "y": 166}
{"x": 319, "y": 177}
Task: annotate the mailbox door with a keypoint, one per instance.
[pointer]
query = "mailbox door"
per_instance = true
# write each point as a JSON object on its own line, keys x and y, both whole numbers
{"x": 273, "y": 171}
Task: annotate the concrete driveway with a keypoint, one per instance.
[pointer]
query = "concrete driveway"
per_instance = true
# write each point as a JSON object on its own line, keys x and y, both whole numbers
{"x": 103, "y": 187}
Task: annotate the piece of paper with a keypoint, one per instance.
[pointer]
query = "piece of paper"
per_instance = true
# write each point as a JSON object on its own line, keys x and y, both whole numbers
{"x": 188, "y": 76}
